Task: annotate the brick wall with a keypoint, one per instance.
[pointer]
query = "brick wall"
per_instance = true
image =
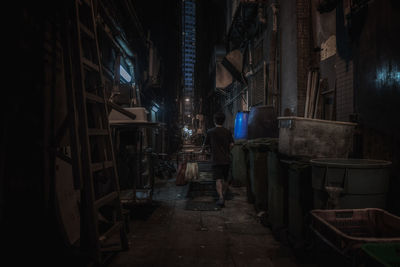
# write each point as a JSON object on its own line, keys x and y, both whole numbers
{"x": 303, "y": 12}
{"x": 258, "y": 87}
{"x": 288, "y": 56}
{"x": 344, "y": 89}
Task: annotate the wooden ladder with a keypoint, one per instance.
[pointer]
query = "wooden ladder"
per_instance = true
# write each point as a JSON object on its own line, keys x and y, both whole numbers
{"x": 101, "y": 211}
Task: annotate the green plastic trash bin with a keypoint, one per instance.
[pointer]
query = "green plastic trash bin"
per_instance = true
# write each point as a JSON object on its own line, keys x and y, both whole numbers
{"x": 239, "y": 164}
{"x": 300, "y": 200}
{"x": 277, "y": 192}
{"x": 258, "y": 161}
{"x": 350, "y": 183}
{"x": 249, "y": 193}
{"x": 381, "y": 254}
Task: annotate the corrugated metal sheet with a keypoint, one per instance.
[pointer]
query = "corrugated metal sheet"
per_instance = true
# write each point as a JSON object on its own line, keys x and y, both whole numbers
{"x": 257, "y": 88}
{"x": 258, "y": 52}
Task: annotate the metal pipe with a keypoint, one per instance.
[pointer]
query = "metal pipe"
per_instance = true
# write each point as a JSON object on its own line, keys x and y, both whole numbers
{"x": 235, "y": 97}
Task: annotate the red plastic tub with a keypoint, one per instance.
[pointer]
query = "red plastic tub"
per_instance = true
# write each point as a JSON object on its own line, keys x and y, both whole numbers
{"x": 347, "y": 230}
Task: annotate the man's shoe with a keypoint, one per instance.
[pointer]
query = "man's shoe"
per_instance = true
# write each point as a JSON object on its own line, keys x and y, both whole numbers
{"x": 221, "y": 202}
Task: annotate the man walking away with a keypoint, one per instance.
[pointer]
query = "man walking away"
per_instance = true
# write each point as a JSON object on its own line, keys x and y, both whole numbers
{"x": 220, "y": 140}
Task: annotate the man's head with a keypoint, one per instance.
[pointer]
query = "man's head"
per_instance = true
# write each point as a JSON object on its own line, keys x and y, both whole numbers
{"x": 219, "y": 118}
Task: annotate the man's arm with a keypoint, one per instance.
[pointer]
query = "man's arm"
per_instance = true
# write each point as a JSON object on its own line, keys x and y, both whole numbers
{"x": 205, "y": 143}
{"x": 231, "y": 141}
{"x": 231, "y": 146}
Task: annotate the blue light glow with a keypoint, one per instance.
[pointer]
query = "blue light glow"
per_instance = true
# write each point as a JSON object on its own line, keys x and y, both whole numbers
{"x": 240, "y": 131}
{"x": 187, "y": 131}
{"x": 388, "y": 76}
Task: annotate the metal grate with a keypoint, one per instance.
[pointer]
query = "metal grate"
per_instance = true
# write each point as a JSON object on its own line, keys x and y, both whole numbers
{"x": 257, "y": 86}
{"x": 259, "y": 52}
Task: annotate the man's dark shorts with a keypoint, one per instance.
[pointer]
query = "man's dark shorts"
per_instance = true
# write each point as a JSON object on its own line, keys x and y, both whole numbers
{"x": 220, "y": 172}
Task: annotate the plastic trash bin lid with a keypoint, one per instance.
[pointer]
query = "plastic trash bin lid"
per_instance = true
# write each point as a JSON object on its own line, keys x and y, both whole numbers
{"x": 350, "y": 163}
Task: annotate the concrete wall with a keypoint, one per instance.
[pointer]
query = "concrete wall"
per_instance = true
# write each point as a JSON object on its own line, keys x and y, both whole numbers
{"x": 377, "y": 83}
{"x": 288, "y": 30}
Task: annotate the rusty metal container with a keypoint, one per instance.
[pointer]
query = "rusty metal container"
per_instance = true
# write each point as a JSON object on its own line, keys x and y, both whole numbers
{"x": 303, "y": 137}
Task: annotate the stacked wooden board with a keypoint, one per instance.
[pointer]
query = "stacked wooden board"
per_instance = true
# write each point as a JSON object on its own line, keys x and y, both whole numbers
{"x": 313, "y": 97}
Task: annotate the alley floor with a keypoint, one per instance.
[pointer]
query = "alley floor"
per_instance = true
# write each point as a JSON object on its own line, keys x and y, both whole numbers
{"x": 166, "y": 233}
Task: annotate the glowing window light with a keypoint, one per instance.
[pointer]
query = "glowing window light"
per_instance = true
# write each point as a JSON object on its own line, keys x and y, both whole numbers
{"x": 124, "y": 74}
{"x": 388, "y": 75}
{"x": 155, "y": 109}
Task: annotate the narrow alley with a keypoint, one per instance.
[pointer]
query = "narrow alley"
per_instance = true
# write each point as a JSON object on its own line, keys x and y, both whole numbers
{"x": 237, "y": 133}
{"x": 180, "y": 235}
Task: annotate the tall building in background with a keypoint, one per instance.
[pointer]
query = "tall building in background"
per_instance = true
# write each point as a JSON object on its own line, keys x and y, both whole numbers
{"x": 188, "y": 53}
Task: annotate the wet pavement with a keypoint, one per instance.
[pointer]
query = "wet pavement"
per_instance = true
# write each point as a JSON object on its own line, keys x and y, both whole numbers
{"x": 166, "y": 233}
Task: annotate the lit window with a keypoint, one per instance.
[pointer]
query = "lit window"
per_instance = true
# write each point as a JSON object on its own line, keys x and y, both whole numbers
{"x": 124, "y": 74}
{"x": 154, "y": 108}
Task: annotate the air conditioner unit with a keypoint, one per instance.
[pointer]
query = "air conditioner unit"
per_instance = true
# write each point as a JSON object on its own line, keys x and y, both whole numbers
{"x": 116, "y": 117}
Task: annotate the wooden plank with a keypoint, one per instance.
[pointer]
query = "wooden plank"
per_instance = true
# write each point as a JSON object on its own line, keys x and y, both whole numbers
{"x": 312, "y": 94}
{"x": 317, "y": 100}
{"x": 90, "y": 64}
{"x": 62, "y": 130}
{"x": 94, "y": 98}
{"x": 109, "y": 73}
{"x": 327, "y": 92}
{"x": 121, "y": 110}
{"x": 111, "y": 231}
{"x": 316, "y": 87}
{"x": 101, "y": 166}
{"x": 106, "y": 199}
{"x": 307, "y": 94}
{"x": 86, "y": 30}
{"x": 92, "y": 131}
{"x": 309, "y": 113}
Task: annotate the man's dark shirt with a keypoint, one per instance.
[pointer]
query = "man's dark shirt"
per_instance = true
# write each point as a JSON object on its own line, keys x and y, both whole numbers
{"x": 219, "y": 138}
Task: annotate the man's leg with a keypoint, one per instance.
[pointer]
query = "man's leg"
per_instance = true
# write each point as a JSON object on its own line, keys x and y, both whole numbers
{"x": 218, "y": 176}
{"x": 225, "y": 183}
{"x": 219, "y": 185}
{"x": 225, "y": 186}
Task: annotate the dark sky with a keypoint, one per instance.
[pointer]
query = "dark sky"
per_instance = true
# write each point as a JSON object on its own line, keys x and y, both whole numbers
{"x": 162, "y": 19}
